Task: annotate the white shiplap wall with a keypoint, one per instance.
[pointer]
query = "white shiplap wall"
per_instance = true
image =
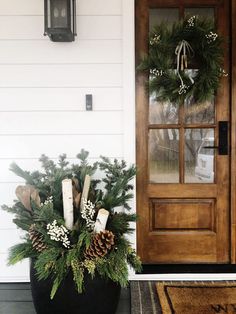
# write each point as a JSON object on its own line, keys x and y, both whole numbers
{"x": 42, "y": 100}
{"x": 42, "y": 95}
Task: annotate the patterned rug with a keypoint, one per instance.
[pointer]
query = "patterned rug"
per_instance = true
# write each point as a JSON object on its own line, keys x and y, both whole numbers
{"x": 149, "y": 297}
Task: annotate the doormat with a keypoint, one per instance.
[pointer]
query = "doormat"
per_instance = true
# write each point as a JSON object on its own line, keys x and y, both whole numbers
{"x": 197, "y": 298}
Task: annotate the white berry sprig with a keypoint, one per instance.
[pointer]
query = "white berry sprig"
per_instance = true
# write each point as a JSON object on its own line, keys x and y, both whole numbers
{"x": 87, "y": 213}
{"x": 191, "y": 21}
{"x": 58, "y": 233}
{"x": 48, "y": 201}
{"x": 155, "y": 39}
{"x": 211, "y": 37}
{"x": 156, "y": 72}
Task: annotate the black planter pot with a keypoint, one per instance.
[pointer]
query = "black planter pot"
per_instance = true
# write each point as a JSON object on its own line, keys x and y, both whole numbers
{"x": 99, "y": 297}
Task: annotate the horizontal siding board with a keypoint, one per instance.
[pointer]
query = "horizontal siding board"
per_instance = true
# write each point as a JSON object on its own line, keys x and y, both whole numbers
{"x": 56, "y": 99}
{"x": 82, "y": 75}
{"x": 84, "y": 7}
{"x": 6, "y": 218}
{"x": 9, "y": 237}
{"x": 22, "y": 147}
{"x": 7, "y": 195}
{"x": 88, "y": 27}
{"x": 61, "y": 122}
{"x": 41, "y": 52}
{"x": 42, "y": 96}
{"x": 104, "y": 7}
{"x": 23, "y": 7}
{"x": 18, "y": 272}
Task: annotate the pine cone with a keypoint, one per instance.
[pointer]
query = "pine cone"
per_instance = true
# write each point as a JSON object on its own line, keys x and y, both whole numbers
{"x": 100, "y": 245}
{"x": 37, "y": 239}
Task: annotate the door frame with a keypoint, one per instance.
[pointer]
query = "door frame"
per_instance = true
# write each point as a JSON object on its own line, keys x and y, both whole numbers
{"x": 233, "y": 135}
{"x": 232, "y": 139}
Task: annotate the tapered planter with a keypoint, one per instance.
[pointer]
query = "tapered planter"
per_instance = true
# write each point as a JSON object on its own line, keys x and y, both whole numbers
{"x": 99, "y": 297}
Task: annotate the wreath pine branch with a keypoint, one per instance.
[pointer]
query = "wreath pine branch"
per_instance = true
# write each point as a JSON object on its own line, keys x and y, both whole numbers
{"x": 184, "y": 60}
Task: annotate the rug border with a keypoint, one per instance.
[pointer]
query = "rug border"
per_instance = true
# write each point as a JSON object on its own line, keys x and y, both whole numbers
{"x": 166, "y": 303}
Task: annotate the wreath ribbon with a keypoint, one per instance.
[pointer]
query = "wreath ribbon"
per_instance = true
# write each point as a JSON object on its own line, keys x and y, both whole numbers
{"x": 181, "y": 51}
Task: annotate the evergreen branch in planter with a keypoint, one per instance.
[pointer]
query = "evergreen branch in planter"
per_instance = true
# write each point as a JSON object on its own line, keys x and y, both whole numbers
{"x": 95, "y": 244}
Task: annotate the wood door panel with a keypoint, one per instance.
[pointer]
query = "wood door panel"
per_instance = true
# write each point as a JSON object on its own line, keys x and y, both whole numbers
{"x": 180, "y": 190}
{"x": 181, "y": 222}
{"x": 197, "y": 247}
{"x": 172, "y": 3}
{"x": 182, "y": 214}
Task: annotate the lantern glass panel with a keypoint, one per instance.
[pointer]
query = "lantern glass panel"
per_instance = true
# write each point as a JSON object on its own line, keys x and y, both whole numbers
{"x": 60, "y": 14}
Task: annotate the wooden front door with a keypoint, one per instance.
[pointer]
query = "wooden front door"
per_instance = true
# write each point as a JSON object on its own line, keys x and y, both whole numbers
{"x": 182, "y": 187}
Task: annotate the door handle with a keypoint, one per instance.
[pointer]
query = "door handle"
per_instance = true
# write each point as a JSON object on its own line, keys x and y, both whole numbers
{"x": 211, "y": 147}
{"x": 223, "y": 139}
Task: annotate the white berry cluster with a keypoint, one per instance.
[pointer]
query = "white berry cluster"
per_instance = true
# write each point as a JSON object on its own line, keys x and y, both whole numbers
{"x": 48, "y": 201}
{"x": 211, "y": 37}
{"x": 58, "y": 233}
{"x": 87, "y": 213}
{"x": 183, "y": 89}
{"x": 191, "y": 21}
{"x": 156, "y": 72}
{"x": 155, "y": 39}
{"x": 223, "y": 72}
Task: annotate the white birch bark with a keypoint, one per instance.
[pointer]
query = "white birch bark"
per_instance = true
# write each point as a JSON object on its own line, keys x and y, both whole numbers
{"x": 68, "y": 203}
{"x": 101, "y": 221}
{"x": 85, "y": 191}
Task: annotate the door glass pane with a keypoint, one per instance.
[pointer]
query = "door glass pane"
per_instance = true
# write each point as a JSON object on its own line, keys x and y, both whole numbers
{"x": 156, "y": 16}
{"x": 205, "y": 12}
{"x": 199, "y": 161}
{"x": 162, "y": 112}
{"x": 199, "y": 113}
{"x": 164, "y": 156}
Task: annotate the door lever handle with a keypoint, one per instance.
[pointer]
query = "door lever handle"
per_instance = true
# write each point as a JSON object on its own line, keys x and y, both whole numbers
{"x": 211, "y": 147}
{"x": 223, "y": 139}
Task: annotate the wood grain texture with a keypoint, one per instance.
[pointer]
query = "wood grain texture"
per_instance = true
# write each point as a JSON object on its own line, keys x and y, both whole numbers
{"x": 233, "y": 135}
{"x": 182, "y": 215}
{"x": 141, "y": 121}
{"x": 182, "y": 3}
{"x": 156, "y": 242}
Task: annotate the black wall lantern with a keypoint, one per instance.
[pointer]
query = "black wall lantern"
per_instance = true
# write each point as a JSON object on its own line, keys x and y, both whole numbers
{"x": 60, "y": 19}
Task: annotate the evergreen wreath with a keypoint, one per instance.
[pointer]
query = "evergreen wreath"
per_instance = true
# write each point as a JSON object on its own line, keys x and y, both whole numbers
{"x": 58, "y": 250}
{"x": 184, "y": 60}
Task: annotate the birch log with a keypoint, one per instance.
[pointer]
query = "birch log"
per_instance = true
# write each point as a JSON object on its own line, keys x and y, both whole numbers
{"x": 68, "y": 203}
{"x": 101, "y": 221}
{"x": 85, "y": 191}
